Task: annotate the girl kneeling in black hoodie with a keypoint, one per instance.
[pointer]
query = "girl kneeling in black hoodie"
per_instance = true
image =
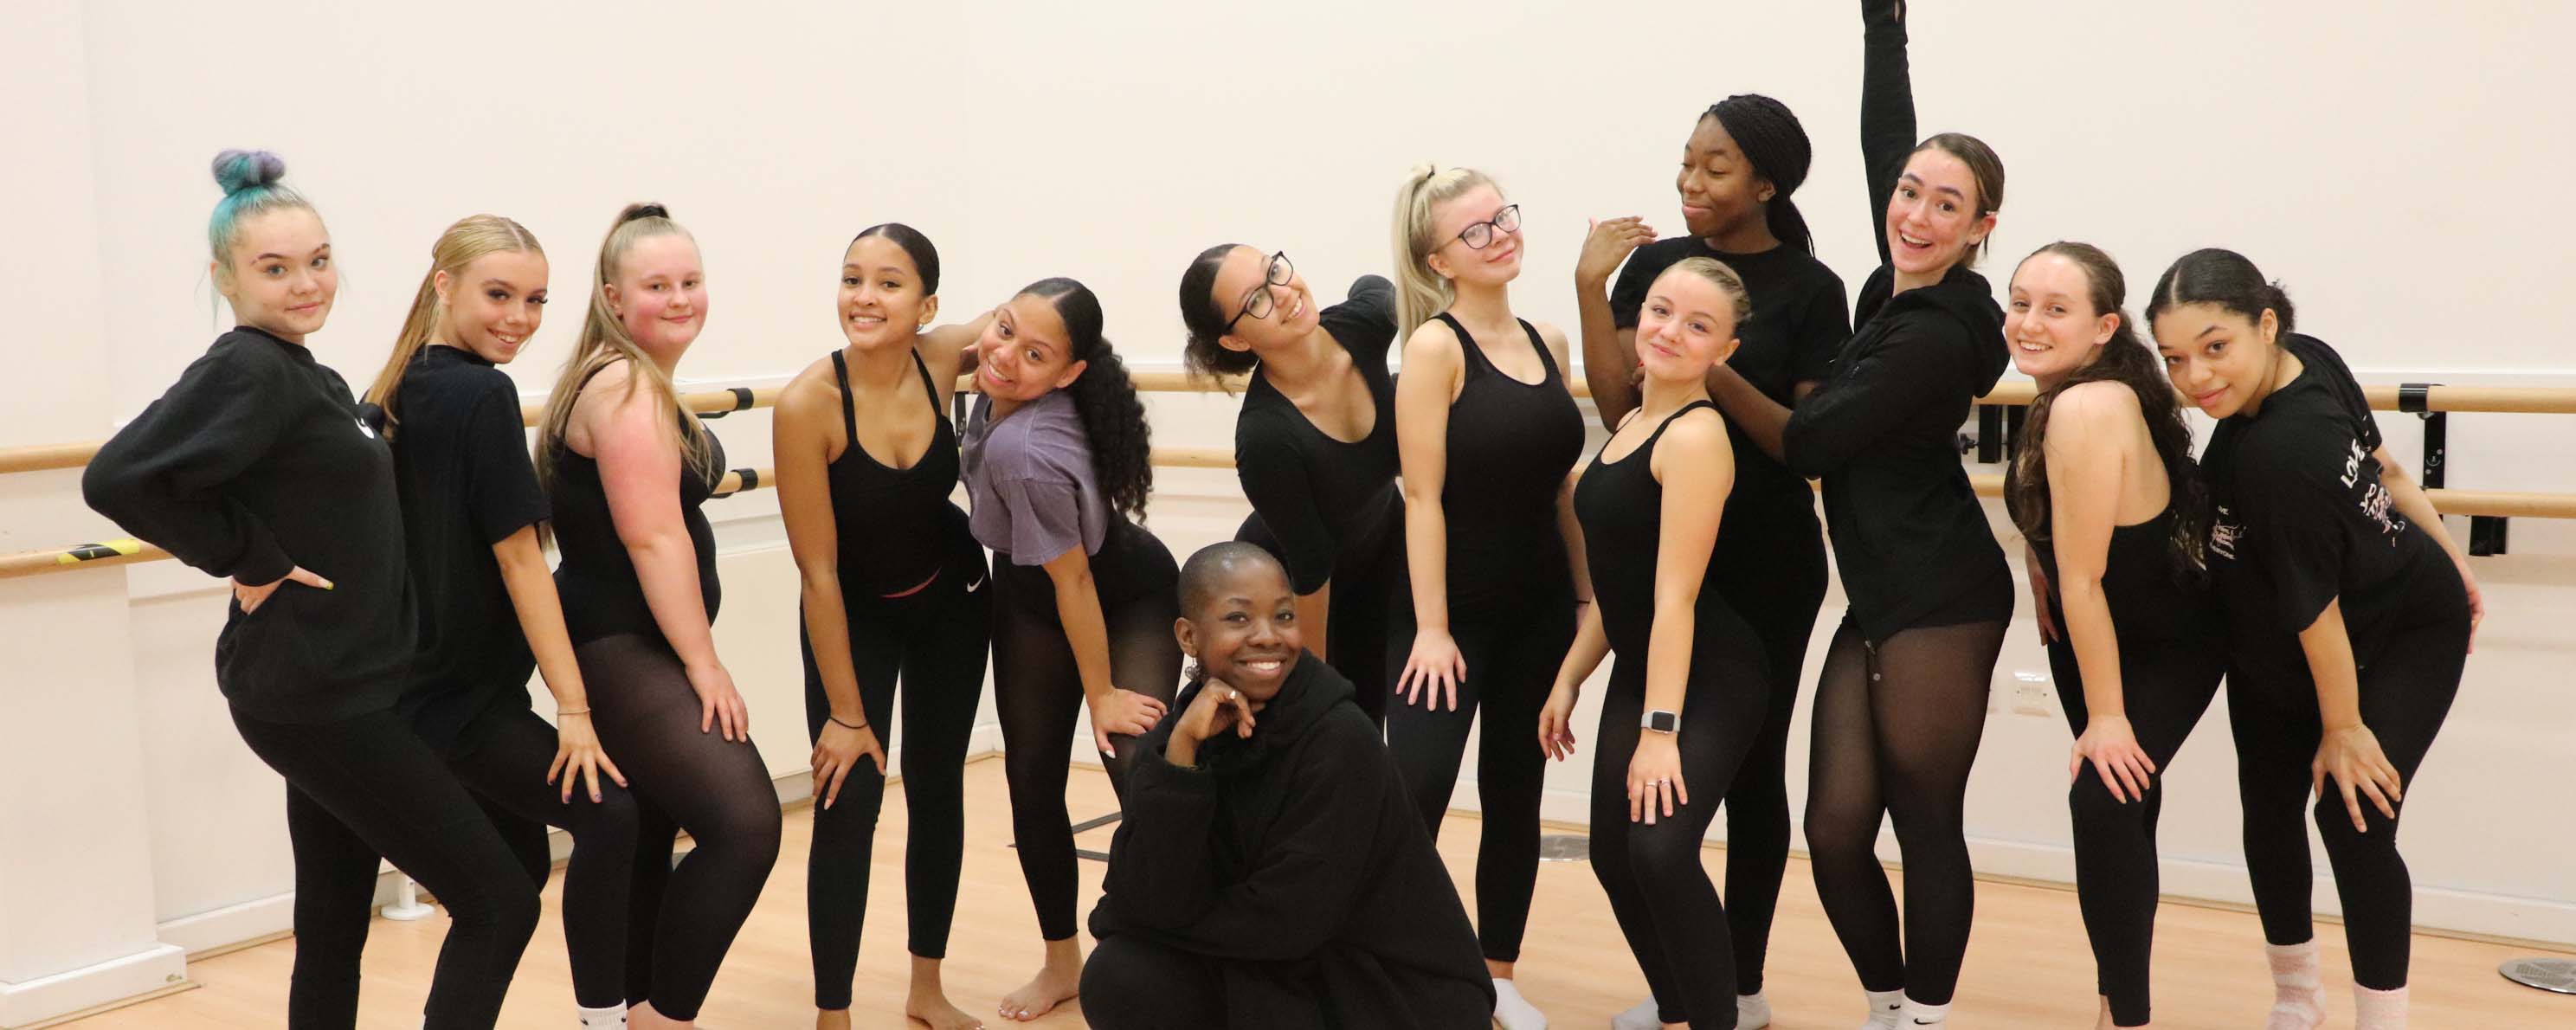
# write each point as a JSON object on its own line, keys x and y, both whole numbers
{"x": 1270, "y": 871}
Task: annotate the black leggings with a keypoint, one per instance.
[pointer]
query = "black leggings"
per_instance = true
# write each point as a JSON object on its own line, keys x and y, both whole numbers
{"x": 1511, "y": 665}
{"x": 1037, "y": 691}
{"x": 937, "y": 639}
{"x": 1896, "y": 730}
{"x": 2165, "y": 685}
{"x": 1659, "y": 890}
{"x": 367, "y": 786}
{"x": 1133, "y": 984}
{"x": 1778, "y": 593}
{"x": 1371, "y": 625}
{"x": 2406, "y": 692}
{"x": 680, "y": 920}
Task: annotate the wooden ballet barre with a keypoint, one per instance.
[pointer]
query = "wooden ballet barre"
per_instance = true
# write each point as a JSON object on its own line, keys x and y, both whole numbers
{"x": 706, "y": 404}
{"x": 2499, "y": 400}
{"x": 2500, "y": 503}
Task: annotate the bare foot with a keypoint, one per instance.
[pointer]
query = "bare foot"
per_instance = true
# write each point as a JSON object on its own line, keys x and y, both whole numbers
{"x": 936, "y": 1011}
{"x": 642, "y": 1017}
{"x": 1057, "y": 982}
{"x": 832, "y": 1019}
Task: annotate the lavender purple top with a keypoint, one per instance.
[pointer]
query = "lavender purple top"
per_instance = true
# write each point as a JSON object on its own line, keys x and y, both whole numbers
{"x": 1030, "y": 481}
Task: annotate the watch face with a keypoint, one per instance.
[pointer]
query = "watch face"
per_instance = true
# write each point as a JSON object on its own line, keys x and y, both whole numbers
{"x": 1663, "y": 722}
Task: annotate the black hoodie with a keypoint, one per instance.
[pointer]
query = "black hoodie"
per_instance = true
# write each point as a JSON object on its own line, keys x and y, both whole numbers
{"x": 1296, "y": 859}
{"x": 1909, "y": 534}
{"x": 255, "y": 462}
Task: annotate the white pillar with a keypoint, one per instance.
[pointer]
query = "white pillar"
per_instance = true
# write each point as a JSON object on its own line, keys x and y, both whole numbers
{"x": 76, "y": 879}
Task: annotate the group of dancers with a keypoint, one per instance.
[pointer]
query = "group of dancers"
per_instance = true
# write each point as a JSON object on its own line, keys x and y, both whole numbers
{"x": 1422, "y": 547}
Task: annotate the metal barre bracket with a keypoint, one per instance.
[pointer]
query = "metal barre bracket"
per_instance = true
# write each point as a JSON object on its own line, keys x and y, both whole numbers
{"x": 2486, "y": 532}
{"x": 742, "y": 401}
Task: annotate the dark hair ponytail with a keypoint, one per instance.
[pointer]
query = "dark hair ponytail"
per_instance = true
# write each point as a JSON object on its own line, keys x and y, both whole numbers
{"x": 1122, "y": 451}
{"x": 1774, "y": 142}
{"x": 2225, "y": 278}
{"x": 1204, "y": 319}
{"x": 2127, "y": 360}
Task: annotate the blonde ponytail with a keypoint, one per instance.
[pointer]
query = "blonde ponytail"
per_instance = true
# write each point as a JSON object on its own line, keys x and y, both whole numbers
{"x": 469, "y": 238}
{"x": 1421, "y": 293}
{"x": 604, "y": 341}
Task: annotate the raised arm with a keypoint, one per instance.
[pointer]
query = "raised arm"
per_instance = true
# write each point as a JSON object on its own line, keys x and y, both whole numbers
{"x": 1887, "y": 132}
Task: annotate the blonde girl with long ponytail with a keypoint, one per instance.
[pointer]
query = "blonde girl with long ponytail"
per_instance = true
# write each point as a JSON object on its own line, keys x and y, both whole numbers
{"x": 486, "y": 596}
{"x": 1487, "y": 434}
{"x": 627, "y": 470}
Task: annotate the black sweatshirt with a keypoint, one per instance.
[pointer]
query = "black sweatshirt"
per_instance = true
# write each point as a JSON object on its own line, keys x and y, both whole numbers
{"x": 2303, "y": 521}
{"x": 1325, "y": 501}
{"x": 1909, "y": 534}
{"x": 255, "y": 462}
{"x": 1296, "y": 860}
{"x": 461, "y": 460}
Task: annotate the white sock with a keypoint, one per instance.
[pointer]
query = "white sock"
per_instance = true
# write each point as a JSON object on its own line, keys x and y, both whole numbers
{"x": 599, "y": 1019}
{"x": 1916, "y": 1013}
{"x": 1513, "y": 1011}
{"x": 1752, "y": 1011}
{"x": 2378, "y": 1010}
{"x": 1884, "y": 1007}
{"x": 2298, "y": 987}
{"x": 1644, "y": 1015}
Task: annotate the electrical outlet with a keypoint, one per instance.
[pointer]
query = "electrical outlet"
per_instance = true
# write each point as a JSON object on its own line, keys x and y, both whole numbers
{"x": 2031, "y": 694}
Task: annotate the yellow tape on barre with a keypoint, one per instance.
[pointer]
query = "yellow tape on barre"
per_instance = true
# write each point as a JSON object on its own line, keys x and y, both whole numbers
{"x": 90, "y": 552}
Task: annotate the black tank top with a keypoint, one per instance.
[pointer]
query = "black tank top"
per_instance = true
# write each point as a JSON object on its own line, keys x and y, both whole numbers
{"x": 2150, "y": 597}
{"x": 601, "y": 595}
{"x": 1510, "y": 445}
{"x": 1621, "y": 507}
{"x": 897, "y": 527}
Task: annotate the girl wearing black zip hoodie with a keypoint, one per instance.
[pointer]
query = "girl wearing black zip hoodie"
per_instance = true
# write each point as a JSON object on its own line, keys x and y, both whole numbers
{"x": 256, "y": 465}
{"x": 1902, "y": 701}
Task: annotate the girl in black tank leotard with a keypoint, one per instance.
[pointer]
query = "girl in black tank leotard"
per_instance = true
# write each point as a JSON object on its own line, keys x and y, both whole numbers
{"x": 2105, "y": 491}
{"x": 892, "y": 584}
{"x": 640, "y": 595}
{"x": 1901, "y": 703}
{"x": 1688, "y": 692}
{"x": 1744, "y": 158}
{"x": 1486, "y": 445}
{"x": 1314, "y": 447}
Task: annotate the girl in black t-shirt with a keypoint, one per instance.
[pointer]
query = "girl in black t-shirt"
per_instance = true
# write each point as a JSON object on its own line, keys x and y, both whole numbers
{"x": 1742, "y": 161}
{"x": 1314, "y": 447}
{"x": 2110, "y": 502}
{"x": 2349, "y": 613}
{"x": 258, "y": 466}
{"x": 867, "y": 459}
{"x": 488, "y": 610}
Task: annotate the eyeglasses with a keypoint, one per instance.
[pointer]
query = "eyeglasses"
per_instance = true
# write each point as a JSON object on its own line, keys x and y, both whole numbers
{"x": 1263, "y": 299}
{"x": 1481, "y": 235}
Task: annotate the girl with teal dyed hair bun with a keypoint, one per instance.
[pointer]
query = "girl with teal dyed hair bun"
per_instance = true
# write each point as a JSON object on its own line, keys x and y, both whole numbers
{"x": 257, "y": 466}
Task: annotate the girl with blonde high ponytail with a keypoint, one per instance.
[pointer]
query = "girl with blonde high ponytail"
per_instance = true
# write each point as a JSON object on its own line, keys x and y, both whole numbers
{"x": 488, "y": 609}
{"x": 627, "y": 470}
{"x": 1487, "y": 434}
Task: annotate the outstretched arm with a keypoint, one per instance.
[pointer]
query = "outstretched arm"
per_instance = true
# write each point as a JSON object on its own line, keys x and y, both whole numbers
{"x": 1887, "y": 130}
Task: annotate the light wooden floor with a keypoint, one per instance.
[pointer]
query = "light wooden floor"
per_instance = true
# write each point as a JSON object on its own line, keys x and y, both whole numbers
{"x": 2029, "y": 965}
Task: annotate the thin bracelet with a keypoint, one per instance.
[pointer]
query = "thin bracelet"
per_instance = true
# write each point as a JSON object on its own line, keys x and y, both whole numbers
{"x": 561, "y": 712}
{"x": 860, "y": 725}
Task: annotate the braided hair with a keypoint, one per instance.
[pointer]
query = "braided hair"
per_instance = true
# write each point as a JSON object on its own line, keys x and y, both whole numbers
{"x": 1775, "y": 144}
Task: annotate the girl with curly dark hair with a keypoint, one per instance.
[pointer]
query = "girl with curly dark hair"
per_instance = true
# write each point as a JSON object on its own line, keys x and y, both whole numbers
{"x": 1057, "y": 465}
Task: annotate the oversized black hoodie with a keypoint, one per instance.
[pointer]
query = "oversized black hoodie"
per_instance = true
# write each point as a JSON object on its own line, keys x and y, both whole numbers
{"x": 1909, "y": 534}
{"x": 1295, "y": 860}
{"x": 256, "y": 462}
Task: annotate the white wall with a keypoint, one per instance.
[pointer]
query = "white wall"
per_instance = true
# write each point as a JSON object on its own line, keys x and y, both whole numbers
{"x": 2395, "y": 166}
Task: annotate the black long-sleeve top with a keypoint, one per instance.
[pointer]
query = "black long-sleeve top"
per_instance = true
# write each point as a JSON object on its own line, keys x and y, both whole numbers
{"x": 1909, "y": 535}
{"x": 1324, "y": 504}
{"x": 1296, "y": 859}
{"x": 255, "y": 462}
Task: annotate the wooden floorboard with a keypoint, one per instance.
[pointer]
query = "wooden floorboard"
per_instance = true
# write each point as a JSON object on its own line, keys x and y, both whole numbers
{"x": 2028, "y": 966}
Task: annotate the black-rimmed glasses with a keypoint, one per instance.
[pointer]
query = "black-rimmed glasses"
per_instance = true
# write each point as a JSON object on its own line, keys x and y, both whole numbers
{"x": 1481, "y": 235}
{"x": 1264, "y": 299}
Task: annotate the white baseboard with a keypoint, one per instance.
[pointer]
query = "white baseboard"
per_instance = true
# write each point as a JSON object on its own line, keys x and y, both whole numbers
{"x": 154, "y": 968}
{"x": 231, "y": 924}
